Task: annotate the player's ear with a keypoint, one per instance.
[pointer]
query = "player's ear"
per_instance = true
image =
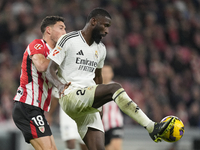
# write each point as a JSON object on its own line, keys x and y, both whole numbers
{"x": 48, "y": 29}
{"x": 93, "y": 21}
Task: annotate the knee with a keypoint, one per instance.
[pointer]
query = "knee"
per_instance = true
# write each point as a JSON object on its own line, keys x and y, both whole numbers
{"x": 49, "y": 148}
{"x": 115, "y": 87}
{"x": 53, "y": 147}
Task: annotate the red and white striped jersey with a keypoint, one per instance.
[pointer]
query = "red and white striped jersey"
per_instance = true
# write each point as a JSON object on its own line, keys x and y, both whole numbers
{"x": 34, "y": 88}
{"x": 112, "y": 116}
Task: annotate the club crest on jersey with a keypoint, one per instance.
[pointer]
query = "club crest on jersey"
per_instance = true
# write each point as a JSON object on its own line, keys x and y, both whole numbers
{"x": 42, "y": 129}
{"x": 96, "y": 54}
{"x": 38, "y": 46}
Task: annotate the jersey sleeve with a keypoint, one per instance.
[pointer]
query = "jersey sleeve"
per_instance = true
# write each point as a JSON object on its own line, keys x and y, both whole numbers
{"x": 36, "y": 47}
{"x": 59, "y": 52}
{"x": 102, "y": 58}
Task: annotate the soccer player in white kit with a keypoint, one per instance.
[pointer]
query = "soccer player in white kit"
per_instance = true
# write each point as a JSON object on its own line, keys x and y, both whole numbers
{"x": 79, "y": 57}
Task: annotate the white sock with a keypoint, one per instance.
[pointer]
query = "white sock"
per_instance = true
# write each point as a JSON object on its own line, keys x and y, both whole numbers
{"x": 130, "y": 108}
{"x": 150, "y": 127}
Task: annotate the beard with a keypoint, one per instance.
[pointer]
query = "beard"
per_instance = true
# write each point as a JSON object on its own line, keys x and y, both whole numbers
{"x": 96, "y": 36}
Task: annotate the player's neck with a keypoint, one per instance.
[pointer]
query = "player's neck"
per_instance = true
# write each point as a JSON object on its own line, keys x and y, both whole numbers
{"x": 87, "y": 36}
{"x": 49, "y": 42}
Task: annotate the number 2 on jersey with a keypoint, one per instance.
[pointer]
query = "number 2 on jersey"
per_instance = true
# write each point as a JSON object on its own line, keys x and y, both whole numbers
{"x": 82, "y": 92}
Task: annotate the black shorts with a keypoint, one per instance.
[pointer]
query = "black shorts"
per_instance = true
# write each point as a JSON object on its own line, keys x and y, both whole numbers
{"x": 30, "y": 120}
{"x": 113, "y": 133}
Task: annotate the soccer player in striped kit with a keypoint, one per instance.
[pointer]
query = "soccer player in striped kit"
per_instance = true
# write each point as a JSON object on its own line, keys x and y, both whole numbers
{"x": 34, "y": 93}
{"x": 112, "y": 117}
{"x": 79, "y": 57}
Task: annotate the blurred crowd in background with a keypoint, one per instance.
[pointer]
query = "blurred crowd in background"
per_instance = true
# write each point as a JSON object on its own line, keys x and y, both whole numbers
{"x": 153, "y": 46}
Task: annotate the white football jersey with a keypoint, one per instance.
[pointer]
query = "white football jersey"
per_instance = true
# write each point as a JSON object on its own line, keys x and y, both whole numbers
{"x": 77, "y": 60}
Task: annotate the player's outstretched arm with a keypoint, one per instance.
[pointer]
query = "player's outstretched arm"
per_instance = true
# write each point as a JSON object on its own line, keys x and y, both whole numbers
{"x": 40, "y": 62}
{"x": 52, "y": 77}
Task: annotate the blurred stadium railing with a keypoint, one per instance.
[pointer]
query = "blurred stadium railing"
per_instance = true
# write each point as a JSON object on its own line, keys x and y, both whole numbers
{"x": 135, "y": 138}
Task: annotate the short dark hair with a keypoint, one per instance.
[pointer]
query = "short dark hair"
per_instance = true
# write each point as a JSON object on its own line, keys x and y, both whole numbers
{"x": 98, "y": 11}
{"x": 50, "y": 20}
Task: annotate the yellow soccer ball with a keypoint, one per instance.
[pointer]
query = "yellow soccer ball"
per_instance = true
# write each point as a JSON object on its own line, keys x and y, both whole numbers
{"x": 176, "y": 132}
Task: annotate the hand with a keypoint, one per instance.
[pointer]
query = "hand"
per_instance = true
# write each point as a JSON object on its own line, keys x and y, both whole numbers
{"x": 62, "y": 88}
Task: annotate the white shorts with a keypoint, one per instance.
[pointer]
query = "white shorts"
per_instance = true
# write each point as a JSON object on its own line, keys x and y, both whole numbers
{"x": 68, "y": 128}
{"x": 78, "y": 105}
